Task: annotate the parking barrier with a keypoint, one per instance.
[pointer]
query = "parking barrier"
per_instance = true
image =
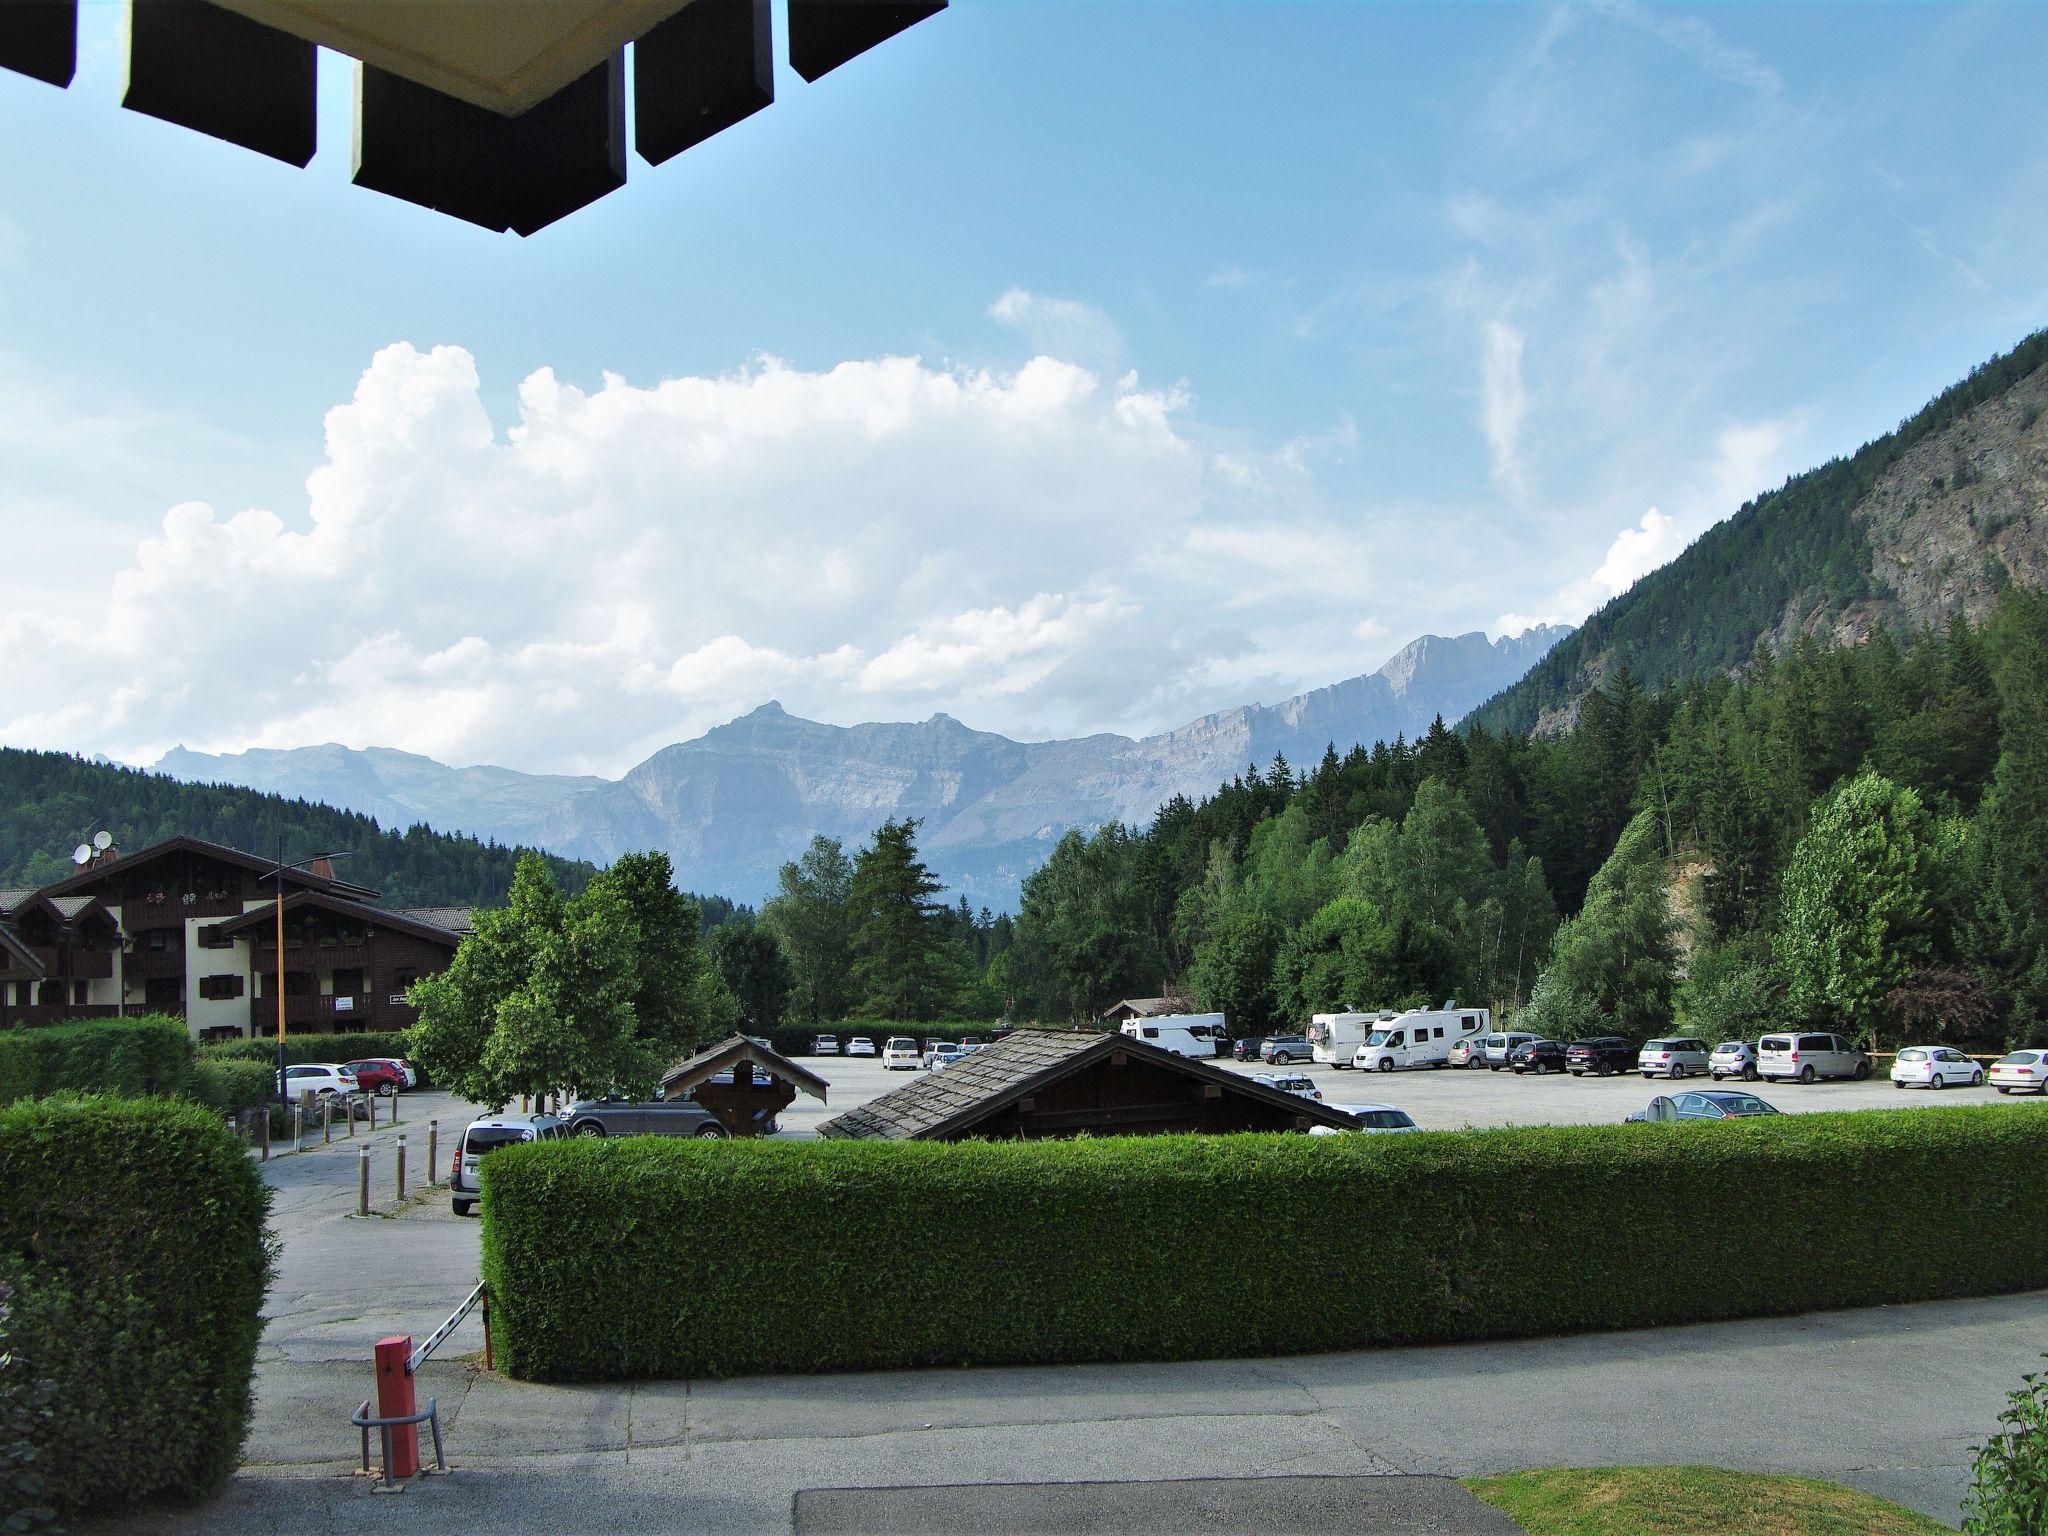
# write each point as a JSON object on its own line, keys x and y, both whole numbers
{"x": 373, "y": 1111}
{"x": 348, "y": 1115}
{"x": 433, "y": 1153}
{"x": 298, "y": 1114}
{"x": 363, "y": 1182}
{"x": 401, "y": 1166}
{"x": 263, "y": 1132}
{"x": 388, "y": 1429}
{"x": 327, "y": 1122}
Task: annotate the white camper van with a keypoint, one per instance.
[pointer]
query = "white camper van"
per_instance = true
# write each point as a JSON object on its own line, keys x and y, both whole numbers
{"x": 1185, "y": 1034}
{"x": 1421, "y": 1037}
{"x": 1334, "y": 1038}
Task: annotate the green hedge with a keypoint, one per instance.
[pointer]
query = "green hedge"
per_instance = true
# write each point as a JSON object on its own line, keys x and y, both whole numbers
{"x": 299, "y": 1049}
{"x": 622, "y": 1259}
{"x": 229, "y": 1087}
{"x": 132, "y": 1236}
{"x": 124, "y": 1056}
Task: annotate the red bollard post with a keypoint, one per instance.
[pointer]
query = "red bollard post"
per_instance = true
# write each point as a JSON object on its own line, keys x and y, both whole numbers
{"x": 394, "y": 1401}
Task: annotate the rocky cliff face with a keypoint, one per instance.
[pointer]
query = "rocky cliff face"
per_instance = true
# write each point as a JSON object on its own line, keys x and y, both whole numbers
{"x": 737, "y": 802}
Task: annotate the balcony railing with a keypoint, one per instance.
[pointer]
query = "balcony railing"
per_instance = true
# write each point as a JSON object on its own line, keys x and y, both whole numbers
{"x": 154, "y": 962}
{"x": 34, "y": 1015}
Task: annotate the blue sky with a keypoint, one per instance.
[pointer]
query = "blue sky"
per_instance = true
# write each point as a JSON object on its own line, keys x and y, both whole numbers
{"x": 1060, "y": 367}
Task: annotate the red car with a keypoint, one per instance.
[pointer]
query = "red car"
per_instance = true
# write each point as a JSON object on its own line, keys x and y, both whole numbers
{"x": 379, "y": 1077}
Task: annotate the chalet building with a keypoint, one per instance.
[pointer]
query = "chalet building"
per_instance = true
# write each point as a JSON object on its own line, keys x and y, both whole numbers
{"x": 1036, "y": 1084}
{"x": 1122, "y": 1012}
{"x": 189, "y": 928}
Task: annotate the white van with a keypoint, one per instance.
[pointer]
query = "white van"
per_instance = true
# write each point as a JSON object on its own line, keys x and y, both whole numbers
{"x": 1421, "y": 1037}
{"x": 1184, "y": 1034}
{"x": 1334, "y": 1038}
{"x": 900, "y": 1054}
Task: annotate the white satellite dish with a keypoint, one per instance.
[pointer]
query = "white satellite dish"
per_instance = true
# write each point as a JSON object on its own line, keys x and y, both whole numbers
{"x": 81, "y": 854}
{"x": 103, "y": 841}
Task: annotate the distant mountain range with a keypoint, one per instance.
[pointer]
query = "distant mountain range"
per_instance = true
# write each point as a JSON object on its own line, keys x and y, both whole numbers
{"x": 1934, "y": 518}
{"x": 737, "y": 802}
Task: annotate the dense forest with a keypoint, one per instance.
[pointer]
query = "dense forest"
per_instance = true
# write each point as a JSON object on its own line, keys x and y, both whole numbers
{"x": 1855, "y": 836}
{"x": 50, "y": 802}
{"x": 1799, "y": 544}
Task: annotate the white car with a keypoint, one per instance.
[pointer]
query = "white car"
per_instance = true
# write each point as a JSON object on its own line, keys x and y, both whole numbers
{"x": 1300, "y": 1084}
{"x": 1934, "y": 1066}
{"x": 2021, "y": 1069}
{"x": 937, "y": 1048}
{"x": 1676, "y": 1057}
{"x": 900, "y": 1054}
{"x": 324, "y": 1081}
{"x": 1498, "y": 1050}
{"x": 1376, "y": 1119}
{"x": 825, "y": 1045}
{"x": 860, "y": 1045}
{"x": 1808, "y": 1057}
{"x": 487, "y": 1135}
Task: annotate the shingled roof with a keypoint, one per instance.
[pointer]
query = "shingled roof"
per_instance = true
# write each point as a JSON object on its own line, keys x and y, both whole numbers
{"x": 946, "y": 1103}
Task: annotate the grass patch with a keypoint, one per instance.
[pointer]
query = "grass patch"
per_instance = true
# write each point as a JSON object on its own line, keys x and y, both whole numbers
{"x": 1690, "y": 1501}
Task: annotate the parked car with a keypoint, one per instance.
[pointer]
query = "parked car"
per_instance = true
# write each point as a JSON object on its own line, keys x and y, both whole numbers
{"x": 378, "y": 1077}
{"x": 824, "y": 1045}
{"x": 934, "y": 1049}
{"x": 900, "y": 1054}
{"x": 324, "y": 1080}
{"x": 642, "y": 1117}
{"x": 1378, "y": 1119}
{"x": 1600, "y": 1055}
{"x": 1499, "y": 1048}
{"x": 1808, "y": 1057}
{"x": 1469, "y": 1052}
{"x": 1705, "y": 1104}
{"x": 1538, "y": 1056}
{"x": 1733, "y": 1058}
{"x": 2021, "y": 1069}
{"x": 1678, "y": 1057}
{"x": 1247, "y": 1049}
{"x": 950, "y": 1057}
{"x": 1934, "y": 1066}
{"x": 1299, "y": 1084}
{"x": 485, "y": 1136}
{"x": 1280, "y": 1050}
{"x": 860, "y": 1045}
{"x": 412, "y": 1076}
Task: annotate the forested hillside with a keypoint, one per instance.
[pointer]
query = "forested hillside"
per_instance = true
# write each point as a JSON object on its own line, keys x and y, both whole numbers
{"x": 1941, "y": 514}
{"x": 1855, "y": 835}
{"x": 50, "y": 802}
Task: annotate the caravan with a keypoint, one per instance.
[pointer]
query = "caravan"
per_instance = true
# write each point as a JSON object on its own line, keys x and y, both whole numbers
{"x": 1184, "y": 1034}
{"x": 1334, "y": 1038}
{"x": 1421, "y": 1037}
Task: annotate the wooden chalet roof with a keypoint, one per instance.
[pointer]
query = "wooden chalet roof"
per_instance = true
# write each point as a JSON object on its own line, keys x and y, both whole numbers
{"x": 375, "y": 916}
{"x": 457, "y": 920}
{"x": 951, "y": 1101}
{"x": 707, "y": 1064}
{"x": 1142, "y": 1007}
{"x": 86, "y": 878}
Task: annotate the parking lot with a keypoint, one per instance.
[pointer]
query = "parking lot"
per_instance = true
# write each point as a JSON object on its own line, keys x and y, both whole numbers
{"x": 1452, "y": 1098}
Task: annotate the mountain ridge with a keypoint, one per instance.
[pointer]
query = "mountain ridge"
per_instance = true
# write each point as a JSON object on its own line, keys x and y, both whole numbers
{"x": 733, "y": 804}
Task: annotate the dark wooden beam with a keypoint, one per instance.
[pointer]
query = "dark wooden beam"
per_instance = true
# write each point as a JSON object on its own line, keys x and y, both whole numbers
{"x": 39, "y": 38}
{"x": 824, "y": 34}
{"x": 707, "y": 67}
{"x": 520, "y": 173}
{"x": 199, "y": 66}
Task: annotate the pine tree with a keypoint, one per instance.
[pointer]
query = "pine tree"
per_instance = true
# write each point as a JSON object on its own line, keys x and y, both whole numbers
{"x": 900, "y": 959}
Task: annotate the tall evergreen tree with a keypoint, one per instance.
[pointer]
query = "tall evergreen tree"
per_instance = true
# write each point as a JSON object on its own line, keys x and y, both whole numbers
{"x": 901, "y": 963}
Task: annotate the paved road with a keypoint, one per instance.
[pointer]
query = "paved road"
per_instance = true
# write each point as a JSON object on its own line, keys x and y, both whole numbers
{"x": 1888, "y": 1399}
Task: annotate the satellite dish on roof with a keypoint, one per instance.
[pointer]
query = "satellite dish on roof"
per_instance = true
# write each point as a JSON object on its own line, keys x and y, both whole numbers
{"x": 103, "y": 841}
{"x": 81, "y": 854}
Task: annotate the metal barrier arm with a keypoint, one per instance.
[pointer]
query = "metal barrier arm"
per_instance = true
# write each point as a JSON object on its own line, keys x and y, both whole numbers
{"x": 434, "y": 1340}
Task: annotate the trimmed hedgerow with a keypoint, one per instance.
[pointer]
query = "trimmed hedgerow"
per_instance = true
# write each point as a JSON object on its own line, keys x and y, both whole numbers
{"x": 229, "y": 1087}
{"x": 132, "y": 1237}
{"x": 300, "y": 1049}
{"x": 125, "y": 1056}
{"x": 644, "y": 1257}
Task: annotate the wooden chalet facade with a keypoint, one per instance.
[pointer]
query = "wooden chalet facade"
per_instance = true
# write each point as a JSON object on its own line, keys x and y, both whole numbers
{"x": 1036, "y": 1084}
{"x": 189, "y": 928}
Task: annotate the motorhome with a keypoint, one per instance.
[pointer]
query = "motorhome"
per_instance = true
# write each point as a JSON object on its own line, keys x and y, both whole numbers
{"x": 1334, "y": 1038}
{"x": 1185, "y": 1034}
{"x": 1421, "y": 1037}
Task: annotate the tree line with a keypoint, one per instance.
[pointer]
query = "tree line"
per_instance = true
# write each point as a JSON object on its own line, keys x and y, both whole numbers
{"x": 1852, "y": 837}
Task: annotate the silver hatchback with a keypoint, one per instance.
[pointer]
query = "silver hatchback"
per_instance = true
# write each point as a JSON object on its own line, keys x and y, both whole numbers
{"x": 1679, "y": 1056}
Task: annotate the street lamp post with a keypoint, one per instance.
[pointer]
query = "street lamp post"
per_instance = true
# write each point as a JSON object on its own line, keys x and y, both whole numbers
{"x": 278, "y": 874}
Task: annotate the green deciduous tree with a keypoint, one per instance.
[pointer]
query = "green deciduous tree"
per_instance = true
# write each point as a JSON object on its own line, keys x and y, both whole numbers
{"x": 750, "y": 961}
{"x": 810, "y": 915}
{"x": 1856, "y": 906}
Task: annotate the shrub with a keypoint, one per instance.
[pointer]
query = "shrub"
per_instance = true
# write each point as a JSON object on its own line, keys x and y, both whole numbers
{"x": 2009, "y": 1481}
{"x": 132, "y": 1236}
{"x": 122, "y": 1056}
{"x": 621, "y": 1259}
{"x": 299, "y": 1049}
{"x": 228, "y": 1086}
{"x": 24, "y": 1407}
